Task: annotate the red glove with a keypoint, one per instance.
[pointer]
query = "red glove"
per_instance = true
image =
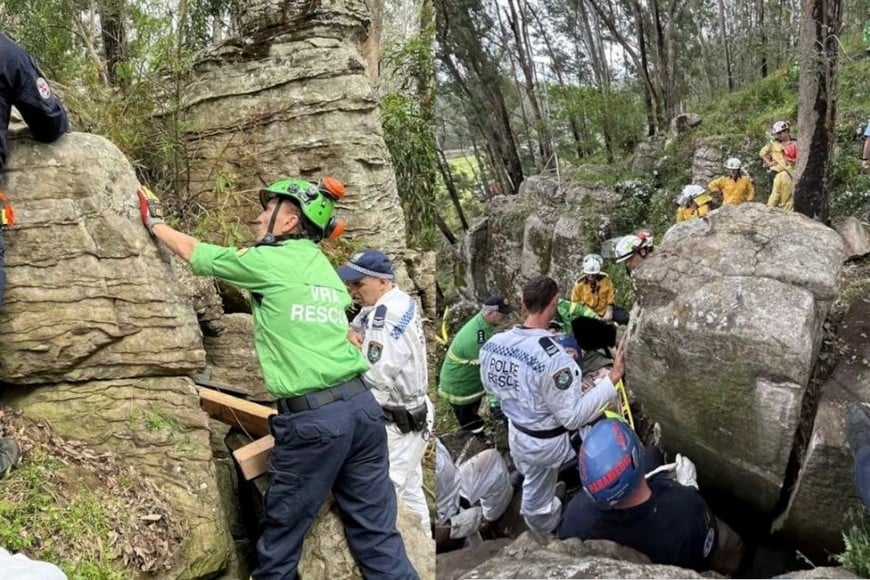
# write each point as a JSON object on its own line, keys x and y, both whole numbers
{"x": 150, "y": 208}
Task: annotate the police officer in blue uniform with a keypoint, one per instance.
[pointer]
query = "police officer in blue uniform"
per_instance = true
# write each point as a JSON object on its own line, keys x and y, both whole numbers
{"x": 23, "y": 86}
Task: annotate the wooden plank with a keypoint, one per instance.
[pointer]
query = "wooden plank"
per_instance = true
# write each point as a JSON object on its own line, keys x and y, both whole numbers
{"x": 253, "y": 458}
{"x": 252, "y": 417}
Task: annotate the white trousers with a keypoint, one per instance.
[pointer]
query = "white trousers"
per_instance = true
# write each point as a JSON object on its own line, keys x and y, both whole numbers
{"x": 406, "y": 467}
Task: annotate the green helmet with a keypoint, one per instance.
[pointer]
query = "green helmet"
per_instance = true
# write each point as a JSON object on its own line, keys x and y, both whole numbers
{"x": 316, "y": 202}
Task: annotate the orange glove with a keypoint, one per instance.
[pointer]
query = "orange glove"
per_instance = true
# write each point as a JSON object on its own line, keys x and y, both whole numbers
{"x": 7, "y": 215}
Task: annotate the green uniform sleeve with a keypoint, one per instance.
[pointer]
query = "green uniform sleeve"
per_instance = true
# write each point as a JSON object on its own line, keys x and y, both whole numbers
{"x": 246, "y": 267}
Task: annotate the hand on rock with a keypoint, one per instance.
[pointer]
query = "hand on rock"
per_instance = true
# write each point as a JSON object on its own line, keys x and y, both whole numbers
{"x": 150, "y": 208}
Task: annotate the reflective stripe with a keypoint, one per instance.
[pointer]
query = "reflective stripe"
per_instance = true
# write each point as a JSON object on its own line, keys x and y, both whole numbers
{"x": 462, "y": 361}
{"x": 460, "y": 399}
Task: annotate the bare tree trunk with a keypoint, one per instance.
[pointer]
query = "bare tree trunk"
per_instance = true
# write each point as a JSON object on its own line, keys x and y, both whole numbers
{"x": 726, "y": 46}
{"x": 763, "y": 31}
{"x": 821, "y": 23}
{"x": 445, "y": 229}
{"x": 371, "y": 46}
{"x": 447, "y": 176}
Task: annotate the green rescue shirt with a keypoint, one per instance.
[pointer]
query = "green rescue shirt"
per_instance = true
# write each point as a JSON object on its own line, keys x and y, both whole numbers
{"x": 460, "y": 374}
{"x": 298, "y": 305}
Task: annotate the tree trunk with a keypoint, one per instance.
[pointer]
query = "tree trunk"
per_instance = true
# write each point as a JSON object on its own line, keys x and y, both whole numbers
{"x": 371, "y": 46}
{"x": 726, "y": 47}
{"x": 763, "y": 38}
{"x": 820, "y": 26}
{"x": 114, "y": 36}
{"x": 450, "y": 184}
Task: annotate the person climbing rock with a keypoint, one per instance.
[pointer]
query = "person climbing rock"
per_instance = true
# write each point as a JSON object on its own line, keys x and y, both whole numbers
{"x": 479, "y": 490}
{"x": 736, "y": 187}
{"x": 780, "y": 156}
{"x": 23, "y": 86}
{"x": 395, "y": 346}
{"x": 665, "y": 519}
{"x": 694, "y": 201}
{"x": 329, "y": 429}
{"x": 538, "y": 385}
{"x": 633, "y": 249}
{"x": 459, "y": 380}
{"x": 595, "y": 290}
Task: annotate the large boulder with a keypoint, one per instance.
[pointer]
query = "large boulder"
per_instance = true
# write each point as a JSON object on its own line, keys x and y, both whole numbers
{"x": 725, "y": 337}
{"x": 290, "y": 96}
{"x": 325, "y": 553}
{"x": 89, "y": 295}
{"x": 543, "y": 230}
{"x": 154, "y": 424}
{"x": 232, "y": 358}
{"x": 856, "y": 237}
{"x": 529, "y": 557}
{"x": 824, "y": 491}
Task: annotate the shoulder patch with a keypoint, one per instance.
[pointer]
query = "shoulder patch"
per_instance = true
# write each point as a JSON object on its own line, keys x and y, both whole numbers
{"x": 481, "y": 336}
{"x": 549, "y": 345}
{"x": 374, "y": 352}
{"x": 43, "y": 88}
{"x": 380, "y": 315}
{"x": 708, "y": 541}
{"x": 563, "y": 378}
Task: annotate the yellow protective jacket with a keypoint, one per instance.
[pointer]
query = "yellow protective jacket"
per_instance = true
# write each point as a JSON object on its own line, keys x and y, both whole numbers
{"x": 734, "y": 191}
{"x": 687, "y": 213}
{"x": 776, "y": 151}
{"x": 598, "y": 299}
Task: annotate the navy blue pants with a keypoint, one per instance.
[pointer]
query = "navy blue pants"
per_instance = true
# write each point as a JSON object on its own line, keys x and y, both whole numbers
{"x": 340, "y": 447}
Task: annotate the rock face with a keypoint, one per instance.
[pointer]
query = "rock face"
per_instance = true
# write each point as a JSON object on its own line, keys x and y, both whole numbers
{"x": 856, "y": 237}
{"x": 527, "y": 558}
{"x": 540, "y": 231}
{"x": 824, "y": 491}
{"x": 725, "y": 337}
{"x": 88, "y": 296}
{"x": 683, "y": 122}
{"x": 232, "y": 358}
{"x": 156, "y": 425}
{"x": 291, "y": 97}
{"x": 325, "y": 553}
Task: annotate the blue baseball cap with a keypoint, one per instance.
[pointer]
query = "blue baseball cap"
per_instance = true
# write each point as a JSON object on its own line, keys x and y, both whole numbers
{"x": 366, "y": 263}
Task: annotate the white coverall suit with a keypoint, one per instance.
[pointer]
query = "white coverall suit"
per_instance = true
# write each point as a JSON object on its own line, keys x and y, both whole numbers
{"x": 482, "y": 480}
{"x": 539, "y": 387}
{"x": 395, "y": 347}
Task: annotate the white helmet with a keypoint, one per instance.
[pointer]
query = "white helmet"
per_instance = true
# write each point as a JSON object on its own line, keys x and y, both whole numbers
{"x": 732, "y": 163}
{"x": 778, "y": 127}
{"x": 592, "y": 264}
{"x": 689, "y": 192}
{"x": 626, "y": 247}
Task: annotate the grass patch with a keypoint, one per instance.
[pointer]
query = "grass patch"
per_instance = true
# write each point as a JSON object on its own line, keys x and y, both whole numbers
{"x": 856, "y": 556}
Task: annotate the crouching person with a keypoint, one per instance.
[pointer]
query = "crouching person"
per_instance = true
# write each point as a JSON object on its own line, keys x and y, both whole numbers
{"x": 479, "y": 490}
{"x": 657, "y": 516}
{"x": 538, "y": 385}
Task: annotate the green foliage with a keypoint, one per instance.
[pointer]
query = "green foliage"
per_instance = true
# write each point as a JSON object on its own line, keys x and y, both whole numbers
{"x": 754, "y": 107}
{"x": 856, "y": 556}
{"x": 850, "y": 187}
{"x": 406, "y": 116}
{"x": 72, "y": 532}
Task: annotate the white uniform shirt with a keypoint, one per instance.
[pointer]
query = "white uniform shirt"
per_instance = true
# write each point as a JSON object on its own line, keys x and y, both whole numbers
{"x": 395, "y": 347}
{"x": 537, "y": 382}
{"x": 447, "y": 484}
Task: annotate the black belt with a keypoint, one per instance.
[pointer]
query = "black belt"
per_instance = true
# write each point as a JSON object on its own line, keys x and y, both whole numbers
{"x": 545, "y": 434}
{"x": 317, "y": 399}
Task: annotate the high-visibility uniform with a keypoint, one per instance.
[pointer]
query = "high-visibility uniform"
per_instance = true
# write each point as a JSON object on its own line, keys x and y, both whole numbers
{"x": 782, "y": 192}
{"x": 395, "y": 346}
{"x": 539, "y": 387}
{"x": 734, "y": 191}
{"x": 459, "y": 380}
{"x": 599, "y": 297}
{"x": 687, "y": 213}
{"x": 329, "y": 432}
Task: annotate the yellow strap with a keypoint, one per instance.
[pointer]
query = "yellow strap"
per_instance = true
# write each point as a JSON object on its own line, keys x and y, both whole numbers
{"x": 441, "y": 337}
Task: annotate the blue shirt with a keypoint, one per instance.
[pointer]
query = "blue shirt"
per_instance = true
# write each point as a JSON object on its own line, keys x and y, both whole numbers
{"x": 867, "y": 130}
